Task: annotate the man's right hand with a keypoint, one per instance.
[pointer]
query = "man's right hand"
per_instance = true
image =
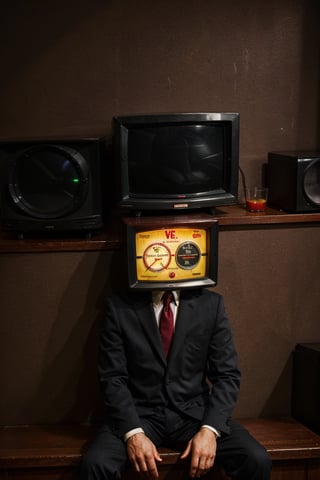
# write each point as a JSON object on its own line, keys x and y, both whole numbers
{"x": 143, "y": 456}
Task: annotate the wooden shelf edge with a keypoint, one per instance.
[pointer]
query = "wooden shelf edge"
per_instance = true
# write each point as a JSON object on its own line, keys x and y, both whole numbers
{"x": 102, "y": 242}
{"x": 236, "y": 215}
{"x": 230, "y": 216}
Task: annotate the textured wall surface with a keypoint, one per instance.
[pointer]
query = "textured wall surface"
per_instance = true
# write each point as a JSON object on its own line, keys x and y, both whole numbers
{"x": 67, "y": 69}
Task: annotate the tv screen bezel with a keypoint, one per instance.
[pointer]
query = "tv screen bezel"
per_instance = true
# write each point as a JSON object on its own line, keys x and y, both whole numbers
{"x": 125, "y": 199}
{"x": 133, "y": 226}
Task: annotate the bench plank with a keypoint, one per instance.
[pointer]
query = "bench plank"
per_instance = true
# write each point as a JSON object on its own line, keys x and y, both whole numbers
{"x": 43, "y": 445}
{"x": 284, "y": 439}
{"x": 53, "y": 451}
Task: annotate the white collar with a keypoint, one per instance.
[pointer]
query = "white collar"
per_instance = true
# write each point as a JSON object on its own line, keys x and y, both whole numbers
{"x": 157, "y": 295}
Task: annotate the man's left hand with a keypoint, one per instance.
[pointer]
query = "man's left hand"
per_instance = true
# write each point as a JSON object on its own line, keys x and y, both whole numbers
{"x": 202, "y": 448}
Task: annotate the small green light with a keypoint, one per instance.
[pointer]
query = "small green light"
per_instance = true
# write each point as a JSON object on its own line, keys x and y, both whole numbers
{"x": 75, "y": 180}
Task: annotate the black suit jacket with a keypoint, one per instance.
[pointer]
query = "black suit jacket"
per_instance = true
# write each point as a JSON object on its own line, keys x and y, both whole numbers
{"x": 136, "y": 377}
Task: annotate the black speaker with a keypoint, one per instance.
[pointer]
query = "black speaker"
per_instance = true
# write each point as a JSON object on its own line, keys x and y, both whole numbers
{"x": 306, "y": 385}
{"x": 293, "y": 179}
{"x": 51, "y": 185}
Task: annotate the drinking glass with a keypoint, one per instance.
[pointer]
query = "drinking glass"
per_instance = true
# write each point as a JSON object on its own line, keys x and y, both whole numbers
{"x": 256, "y": 199}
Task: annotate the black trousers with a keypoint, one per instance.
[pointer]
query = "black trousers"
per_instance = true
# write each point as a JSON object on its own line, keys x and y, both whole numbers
{"x": 242, "y": 457}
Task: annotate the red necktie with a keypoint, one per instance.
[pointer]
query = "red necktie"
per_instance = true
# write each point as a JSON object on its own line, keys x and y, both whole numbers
{"x": 166, "y": 323}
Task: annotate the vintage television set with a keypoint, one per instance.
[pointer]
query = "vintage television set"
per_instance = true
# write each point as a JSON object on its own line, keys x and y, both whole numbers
{"x": 171, "y": 253}
{"x": 178, "y": 161}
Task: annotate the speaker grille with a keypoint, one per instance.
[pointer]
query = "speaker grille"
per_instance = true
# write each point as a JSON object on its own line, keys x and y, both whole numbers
{"x": 311, "y": 183}
{"x": 48, "y": 181}
{"x": 52, "y": 185}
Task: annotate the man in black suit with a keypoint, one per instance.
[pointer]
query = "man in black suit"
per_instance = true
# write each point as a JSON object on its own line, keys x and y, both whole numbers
{"x": 184, "y": 401}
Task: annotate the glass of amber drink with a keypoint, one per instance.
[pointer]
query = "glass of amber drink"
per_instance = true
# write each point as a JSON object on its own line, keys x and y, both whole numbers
{"x": 256, "y": 199}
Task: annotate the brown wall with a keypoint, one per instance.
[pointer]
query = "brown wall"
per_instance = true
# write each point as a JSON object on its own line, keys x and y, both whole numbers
{"x": 67, "y": 68}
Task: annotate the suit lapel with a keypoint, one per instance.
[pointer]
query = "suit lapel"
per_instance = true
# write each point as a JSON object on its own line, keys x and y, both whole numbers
{"x": 184, "y": 321}
{"x": 147, "y": 319}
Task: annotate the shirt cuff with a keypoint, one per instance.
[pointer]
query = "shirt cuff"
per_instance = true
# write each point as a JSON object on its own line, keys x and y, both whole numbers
{"x": 213, "y": 430}
{"x": 132, "y": 432}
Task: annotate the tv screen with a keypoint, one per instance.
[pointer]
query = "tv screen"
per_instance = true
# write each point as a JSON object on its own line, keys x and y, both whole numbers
{"x": 170, "y": 254}
{"x": 176, "y": 161}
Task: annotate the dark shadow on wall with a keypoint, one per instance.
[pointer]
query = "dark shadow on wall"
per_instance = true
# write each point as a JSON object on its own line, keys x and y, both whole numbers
{"x": 32, "y": 28}
{"x": 279, "y": 401}
{"x": 68, "y": 390}
{"x": 309, "y": 76}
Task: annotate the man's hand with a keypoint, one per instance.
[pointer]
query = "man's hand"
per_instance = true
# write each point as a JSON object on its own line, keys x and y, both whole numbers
{"x": 203, "y": 448}
{"x": 143, "y": 456}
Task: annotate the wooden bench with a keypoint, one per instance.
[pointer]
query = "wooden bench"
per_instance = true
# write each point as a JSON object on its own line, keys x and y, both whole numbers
{"x": 53, "y": 452}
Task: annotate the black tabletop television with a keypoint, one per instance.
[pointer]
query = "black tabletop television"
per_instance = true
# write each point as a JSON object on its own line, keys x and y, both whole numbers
{"x": 177, "y": 161}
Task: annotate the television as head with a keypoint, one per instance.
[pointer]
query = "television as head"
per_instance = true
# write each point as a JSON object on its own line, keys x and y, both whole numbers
{"x": 171, "y": 253}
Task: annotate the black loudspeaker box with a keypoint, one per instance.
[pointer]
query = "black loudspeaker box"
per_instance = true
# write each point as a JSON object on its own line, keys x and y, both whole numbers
{"x": 293, "y": 179}
{"x": 51, "y": 185}
{"x": 306, "y": 385}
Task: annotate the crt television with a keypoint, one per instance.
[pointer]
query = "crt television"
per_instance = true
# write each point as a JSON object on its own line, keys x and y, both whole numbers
{"x": 169, "y": 253}
{"x": 176, "y": 161}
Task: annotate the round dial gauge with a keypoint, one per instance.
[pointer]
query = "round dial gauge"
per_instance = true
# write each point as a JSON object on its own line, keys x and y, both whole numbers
{"x": 156, "y": 257}
{"x": 188, "y": 255}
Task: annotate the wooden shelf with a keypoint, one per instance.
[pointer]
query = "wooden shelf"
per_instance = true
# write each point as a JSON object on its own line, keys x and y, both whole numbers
{"x": 105, "y": 240}
{"x": 235, "y": 215}
{"x": 111, "y": 238}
